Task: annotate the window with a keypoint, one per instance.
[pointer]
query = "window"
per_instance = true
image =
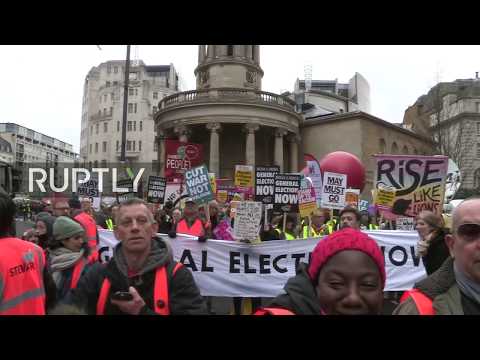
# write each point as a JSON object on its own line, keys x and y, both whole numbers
{"x": 104, "y": 146}
{"x": 112, "y": 96}
{"x": 109, "y": 69}
{"x": 105, "y": 127}
{"x": 105, "y": 98}
{"x": 118, "y": 145}
{"x": 383, "y": 146}
{"x": 99, "y": 112}
{"x": 133, "y": 76}
{"x": 476, "y": 179}
{"x": 104, "y": 163}
{"x": 91, "y": 130}
{"x": 415, "y": 151}
{"x": 478, "y": 128}
{"x": 134, "y": 126}
{"x": 130, "y": 108}
{"x": 155, "y": 95}
{"x": 154, "y": 110}
{"x": 115, "y": 69}
{"x": 129, "y": 126}
{"x": 90, "y": 148}
{"x": 133, "y": 143}
{"x": 104, "y": 111}
{"x": 129, "y": 145}
{"x": 478, "y": 107}
{"x": 118, "y": 126}
{"x": 135, "y": 108}
{"x": 139, "y": 145}
{"x": 478, "y": 150}
{"x": 107, "y": 84}
{"x": 141, "y": 125}
{"x": 155, "y": 146}
{"x": 130, "y": 92}
{"x": 95, "y": 163}
{"x": 111, "y": 111}
{"x": 96, "y": 148}
{"x": 229, "y": 50}
{"x": 115, "y": 83}
{"x": 394, "y": 148}
{"x": 136, "y": 92}
{"x": 96, "y": 128}
{"x": 405, "y": 150}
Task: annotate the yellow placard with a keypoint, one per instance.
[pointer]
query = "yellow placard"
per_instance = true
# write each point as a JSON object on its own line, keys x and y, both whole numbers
{"x": 385, "y": 197}
{"x": 244, "y": 175}
{"x": 213, "y": 182}
{"x": 306, "y": 209}
{"x": 222, "y": 196}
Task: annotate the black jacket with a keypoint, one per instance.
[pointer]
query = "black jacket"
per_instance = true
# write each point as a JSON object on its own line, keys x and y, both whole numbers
{"x": 184, "y": 296}
{"x": 437, "y": 253}
{"x": 300, "y": 297}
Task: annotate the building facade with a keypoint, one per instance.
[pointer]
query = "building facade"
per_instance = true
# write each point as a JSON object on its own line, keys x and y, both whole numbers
{"x": 31, "y": 147}
{"x": 229, "y": 114}
{"x": 362, "y": 135}
{"x": 102, "y": 111}
{"x": 450, "y": 115}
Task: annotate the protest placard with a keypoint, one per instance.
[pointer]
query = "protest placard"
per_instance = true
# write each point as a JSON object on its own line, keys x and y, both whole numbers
{"x": 286, "y": 192}
{"x": 222, "y": 196}
{"x": 352, "y": 197}
{"x": 384, "y": 197}
{"x": 129, "y": 194}
{"x": 156, "y": 189}
{"x": 244, "y": 175}
{"x": 419, "y": 182}
{"x": 363, "y": 205}
{"x": 213, "y": 182}
{"x": 180, "y": 157}
{"x": 265, "y": 183}
{"x": 247, "y": 220}
{"x": 405, "y": 223}
{"x": 333, "y": 194}
{"x": 198, "y": 184}
{"x": 307, "y": 202}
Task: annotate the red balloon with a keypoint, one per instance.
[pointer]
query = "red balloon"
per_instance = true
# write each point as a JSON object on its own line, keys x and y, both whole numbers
{"x": 342, "y": 162}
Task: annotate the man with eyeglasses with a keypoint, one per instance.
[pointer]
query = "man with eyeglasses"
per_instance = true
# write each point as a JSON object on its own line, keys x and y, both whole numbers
{"x": 454, "y": 289}
{"x": 61, "y": 208}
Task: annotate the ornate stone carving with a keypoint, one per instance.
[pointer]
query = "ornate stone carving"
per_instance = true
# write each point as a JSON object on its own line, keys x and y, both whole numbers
{"x": 251, "y": 77}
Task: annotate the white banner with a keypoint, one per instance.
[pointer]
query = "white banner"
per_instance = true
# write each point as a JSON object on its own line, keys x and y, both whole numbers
{"x": 228, "y": 268}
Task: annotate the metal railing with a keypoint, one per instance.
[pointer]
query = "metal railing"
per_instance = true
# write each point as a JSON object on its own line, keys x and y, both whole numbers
{"x": 226, "y": 95}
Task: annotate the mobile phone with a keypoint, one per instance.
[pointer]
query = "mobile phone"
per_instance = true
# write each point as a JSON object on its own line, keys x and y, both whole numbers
{"x": 122, "y": 296}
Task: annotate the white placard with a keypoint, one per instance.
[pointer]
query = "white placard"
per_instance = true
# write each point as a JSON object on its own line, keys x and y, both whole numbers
{"x": 247, "y": 220}
{"x": 333, "y": 190}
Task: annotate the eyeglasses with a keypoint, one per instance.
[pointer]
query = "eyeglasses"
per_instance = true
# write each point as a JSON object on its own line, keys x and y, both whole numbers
{"x": 469, "y": 230}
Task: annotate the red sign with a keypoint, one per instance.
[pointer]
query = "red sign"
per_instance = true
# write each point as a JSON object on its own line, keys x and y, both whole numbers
{"x": 180, "y": 157}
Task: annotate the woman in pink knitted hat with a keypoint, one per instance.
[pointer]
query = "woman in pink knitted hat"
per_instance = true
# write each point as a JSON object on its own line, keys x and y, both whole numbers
{"x": 346, "y": 276}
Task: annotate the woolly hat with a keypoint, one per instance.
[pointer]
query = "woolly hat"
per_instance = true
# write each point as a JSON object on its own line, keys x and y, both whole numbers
{"x": 65, "y": 228}
{"x": 345, "y": 239}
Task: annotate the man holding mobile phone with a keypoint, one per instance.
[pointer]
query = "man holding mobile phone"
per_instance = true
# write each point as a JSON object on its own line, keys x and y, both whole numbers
{"x": 142, "y": 278}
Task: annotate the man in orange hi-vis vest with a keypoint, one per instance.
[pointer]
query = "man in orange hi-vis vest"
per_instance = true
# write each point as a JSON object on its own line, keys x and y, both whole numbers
{"x": 26, "y": 287}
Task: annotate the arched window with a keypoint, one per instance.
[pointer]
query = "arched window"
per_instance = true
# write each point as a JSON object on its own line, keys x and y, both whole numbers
{"x": 229, "y": 50}
{"x": 415, "y": 151}
{"x": 476, "y": 179}
{"x": 383, "y": 146}
{"x": 405, "y": 150}
{"x": 394, "y": 148}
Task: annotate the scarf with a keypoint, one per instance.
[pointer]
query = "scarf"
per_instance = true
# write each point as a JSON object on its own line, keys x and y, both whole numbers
{"x": 466, "y": 285}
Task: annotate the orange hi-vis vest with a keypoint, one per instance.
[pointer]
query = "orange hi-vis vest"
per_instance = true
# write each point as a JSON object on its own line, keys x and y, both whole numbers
{"x": 90, "y": 227}
{"x": 160, "y": 292}
{"x": 22, "y": 291}
{"x": 423, "y": 303}
{"x": 273, "y": 311}
{"x": 195, "y": 230}
{"x": 77, "y": 272}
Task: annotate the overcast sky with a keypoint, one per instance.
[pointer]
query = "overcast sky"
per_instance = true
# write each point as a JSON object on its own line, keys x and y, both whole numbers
{"x": 42, "y": 85}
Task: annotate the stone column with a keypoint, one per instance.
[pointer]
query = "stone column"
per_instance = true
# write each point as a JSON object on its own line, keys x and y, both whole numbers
{"x": 201, "y": 53}
{"x": 293, "y": 144}
{"x": 183, "y": 132}
{"x": 161, "y": 152}
{"x": 278, "y": 153}
{"x": 250, "y": 144}
{"x": 256, "y": 54}
{"x": 214, "y": 164}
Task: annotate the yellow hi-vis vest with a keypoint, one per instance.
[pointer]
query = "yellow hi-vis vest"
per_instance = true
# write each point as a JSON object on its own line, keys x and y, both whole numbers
{"x": 373, "y": 227}
{"x": 287, "y": 235}
{"x": 313, "y": 233}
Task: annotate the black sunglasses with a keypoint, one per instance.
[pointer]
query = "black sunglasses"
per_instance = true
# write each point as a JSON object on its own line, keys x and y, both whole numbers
{"x": 469, "y": 230}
